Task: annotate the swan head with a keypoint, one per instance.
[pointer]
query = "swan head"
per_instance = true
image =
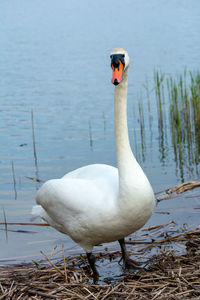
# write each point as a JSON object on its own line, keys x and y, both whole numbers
{"x": 119, "y": 64}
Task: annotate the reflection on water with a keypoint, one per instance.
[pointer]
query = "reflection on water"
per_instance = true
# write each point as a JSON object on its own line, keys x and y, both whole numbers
{"x": 55, "y": 62}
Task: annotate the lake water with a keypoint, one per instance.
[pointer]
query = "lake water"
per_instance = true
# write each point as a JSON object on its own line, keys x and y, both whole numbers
{"x": 54, "y": 61}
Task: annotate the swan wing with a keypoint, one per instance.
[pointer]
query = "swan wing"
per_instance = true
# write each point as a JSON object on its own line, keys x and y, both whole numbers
{"x": 82, "y": 196}
{"x": 95, "y": 171}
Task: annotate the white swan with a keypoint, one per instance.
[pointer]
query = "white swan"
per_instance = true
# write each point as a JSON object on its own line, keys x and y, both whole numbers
{"x": 99, "y": 203}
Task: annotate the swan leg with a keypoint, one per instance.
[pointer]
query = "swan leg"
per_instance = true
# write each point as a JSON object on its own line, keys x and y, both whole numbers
{"x": 91, "y": 260}
{"x": 128, "y": 262}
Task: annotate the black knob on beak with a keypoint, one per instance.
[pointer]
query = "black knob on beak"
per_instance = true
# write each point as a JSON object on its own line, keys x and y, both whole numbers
{"x": 116, "y": 82}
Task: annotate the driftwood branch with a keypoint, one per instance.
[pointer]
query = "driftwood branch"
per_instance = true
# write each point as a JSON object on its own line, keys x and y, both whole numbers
{"x": 178, "y": 189}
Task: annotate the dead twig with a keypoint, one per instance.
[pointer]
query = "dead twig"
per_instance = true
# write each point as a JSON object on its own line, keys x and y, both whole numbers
{"x": 23, "y": 224}
{"x": 181, "y": 188}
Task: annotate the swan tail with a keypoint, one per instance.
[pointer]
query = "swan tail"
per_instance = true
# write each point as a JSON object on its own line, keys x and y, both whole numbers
{"x": 37, "y": 212}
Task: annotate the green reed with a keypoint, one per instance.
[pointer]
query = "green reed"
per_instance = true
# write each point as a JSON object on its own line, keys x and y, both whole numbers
{"x": 104, "y": 122}
{"x": 14, "y": 180}
{"x": 159, "y": 93}
{"x": 6, "y": 225}
{"x": 177, "y": 101}
{"x": 90, "y": 134}
{"x": 142, "y": 127}
{"x": 159, "y": 88}
{"x": 183, "y": 93}
{"x": 34, "y": 144}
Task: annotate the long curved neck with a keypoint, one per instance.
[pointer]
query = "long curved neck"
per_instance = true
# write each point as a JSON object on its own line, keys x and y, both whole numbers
{"x": 125, "y": 157}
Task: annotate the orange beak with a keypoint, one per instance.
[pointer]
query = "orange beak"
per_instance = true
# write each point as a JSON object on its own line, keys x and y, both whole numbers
{"x": 117, "y": 73}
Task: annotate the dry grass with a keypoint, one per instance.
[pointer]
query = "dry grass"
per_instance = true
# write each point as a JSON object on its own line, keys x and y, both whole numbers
{"x": 167, "y": 276}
